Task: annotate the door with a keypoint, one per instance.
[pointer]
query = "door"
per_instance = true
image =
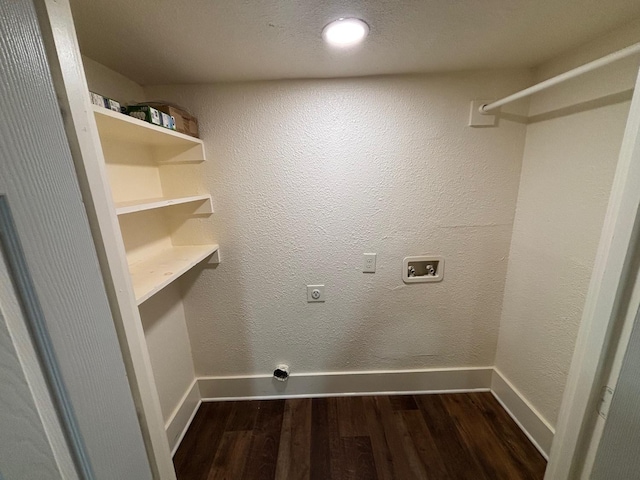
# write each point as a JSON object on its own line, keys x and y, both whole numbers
{"x": 28, "y": 415}
{"x": 67, "y": 410}
{"x": 608, "y": 310}
{"x": 617, "y": 455}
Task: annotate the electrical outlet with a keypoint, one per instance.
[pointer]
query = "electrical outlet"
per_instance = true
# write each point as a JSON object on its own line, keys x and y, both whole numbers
{"x": 369, "y": 265}
{"x": 315, "y": 293}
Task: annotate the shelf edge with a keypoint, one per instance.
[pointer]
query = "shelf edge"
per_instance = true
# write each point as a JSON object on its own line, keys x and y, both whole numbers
{"x": 178, "y": 273}
{"x": 152, "y": 204}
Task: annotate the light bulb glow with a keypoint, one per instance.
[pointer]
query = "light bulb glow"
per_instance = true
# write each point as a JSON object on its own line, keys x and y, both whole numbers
{"x": 345, "y": 32}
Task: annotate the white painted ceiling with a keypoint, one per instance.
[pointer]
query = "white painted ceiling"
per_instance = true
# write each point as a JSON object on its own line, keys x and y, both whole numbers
{"x": 200, "y": 41}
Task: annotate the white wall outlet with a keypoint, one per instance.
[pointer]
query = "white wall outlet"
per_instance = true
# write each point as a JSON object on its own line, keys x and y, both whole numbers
{"x": 369, "y": 263}
{"x": 315, "y": 293}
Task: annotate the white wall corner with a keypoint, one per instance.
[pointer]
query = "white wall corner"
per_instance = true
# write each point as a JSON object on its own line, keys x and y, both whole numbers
{"x": 530, "y": 421}
{"x": 181, "y": 418}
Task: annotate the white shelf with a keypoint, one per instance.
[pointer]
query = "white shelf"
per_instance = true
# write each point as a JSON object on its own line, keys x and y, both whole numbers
{"x": 136, "y": 153}
{"x": 123, "y": 208}
{"x": 152, "y": 274}
{"x": 121, "y": 128}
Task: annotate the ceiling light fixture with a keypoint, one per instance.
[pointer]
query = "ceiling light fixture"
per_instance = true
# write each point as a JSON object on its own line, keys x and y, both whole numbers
{"x": 345, "y": 32}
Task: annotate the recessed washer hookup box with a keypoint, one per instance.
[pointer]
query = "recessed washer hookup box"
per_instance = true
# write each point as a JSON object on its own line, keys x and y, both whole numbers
{"x": 423, "y": 269}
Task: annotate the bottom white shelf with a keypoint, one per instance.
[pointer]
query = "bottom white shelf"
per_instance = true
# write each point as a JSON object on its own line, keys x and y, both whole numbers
{"x": 152, "y": 274}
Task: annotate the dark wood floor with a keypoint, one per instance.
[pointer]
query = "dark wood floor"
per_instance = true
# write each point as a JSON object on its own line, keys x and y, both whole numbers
{"x": 452, "y": 436}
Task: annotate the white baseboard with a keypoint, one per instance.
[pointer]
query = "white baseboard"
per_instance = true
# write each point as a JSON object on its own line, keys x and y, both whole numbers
{"x": 346, "y": 383}
{"x": 330, "y": 384}
{"x": 534, "y": 426}
{"x": 182, "y": 416}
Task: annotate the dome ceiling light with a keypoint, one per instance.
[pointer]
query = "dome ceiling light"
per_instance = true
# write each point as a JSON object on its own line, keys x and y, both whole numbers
{"x": 345, "y": 32}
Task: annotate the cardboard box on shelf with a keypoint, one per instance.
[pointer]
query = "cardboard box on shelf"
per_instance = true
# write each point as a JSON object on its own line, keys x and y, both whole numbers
{"x": 184, "y": 121}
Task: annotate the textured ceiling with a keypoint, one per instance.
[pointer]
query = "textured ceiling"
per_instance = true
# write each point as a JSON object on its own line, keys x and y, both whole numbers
{"x": 199, "y": 41}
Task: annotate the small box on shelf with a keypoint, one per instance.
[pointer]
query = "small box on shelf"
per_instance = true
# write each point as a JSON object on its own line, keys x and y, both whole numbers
{"x": 104, "y": 102}
{"x": 167, "y": 121}
{"x": 145, "y": 112}
{"x": 112, "y": 105}
{"x": 97, "y": 99}
{"x": 183, "y": 120}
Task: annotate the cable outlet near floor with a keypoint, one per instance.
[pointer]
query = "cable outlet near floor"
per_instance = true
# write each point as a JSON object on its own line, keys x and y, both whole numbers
{"x": 315, "y": 293}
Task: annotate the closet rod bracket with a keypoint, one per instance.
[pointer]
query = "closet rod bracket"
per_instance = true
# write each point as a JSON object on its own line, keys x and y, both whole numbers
{"x": 480, "y": 118}
{"x": 563, "y": 77}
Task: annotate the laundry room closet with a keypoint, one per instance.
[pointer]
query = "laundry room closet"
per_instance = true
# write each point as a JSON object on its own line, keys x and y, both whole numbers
{"x": 451, "y": 250}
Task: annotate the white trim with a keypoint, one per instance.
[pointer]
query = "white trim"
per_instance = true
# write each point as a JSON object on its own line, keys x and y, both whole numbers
{"x": 63, "y": 55}
{"x": 601, "y": 307}
{"x": 530, "y": 421}
{"x": 321, "y": 384}
{"x": 342, "y": 384}
{"x": 181, "y": 418}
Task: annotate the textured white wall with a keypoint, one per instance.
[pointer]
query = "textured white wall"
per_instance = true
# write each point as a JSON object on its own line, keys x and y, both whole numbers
{"x": 165, "y": 329}
{"x": 569, "y": 161}
{"x": 307, "y": 176}
{"x": 111, "y": 84}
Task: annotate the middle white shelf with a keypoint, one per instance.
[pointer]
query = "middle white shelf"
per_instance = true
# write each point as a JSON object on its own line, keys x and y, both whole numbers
{"x": 205, "y": 206}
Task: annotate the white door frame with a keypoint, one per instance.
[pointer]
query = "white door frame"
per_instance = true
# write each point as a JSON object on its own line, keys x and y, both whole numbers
{"x": 603, "y": 310}
{"x": 63, "y": 54}
{"x": 53, "y": 263}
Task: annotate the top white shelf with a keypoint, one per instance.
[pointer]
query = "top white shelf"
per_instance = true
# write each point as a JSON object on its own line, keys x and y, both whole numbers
{"x": 171, "y": 146}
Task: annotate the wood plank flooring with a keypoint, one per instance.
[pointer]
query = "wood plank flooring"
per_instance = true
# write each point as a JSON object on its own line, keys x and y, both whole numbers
{"x": 451, "y": 436}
